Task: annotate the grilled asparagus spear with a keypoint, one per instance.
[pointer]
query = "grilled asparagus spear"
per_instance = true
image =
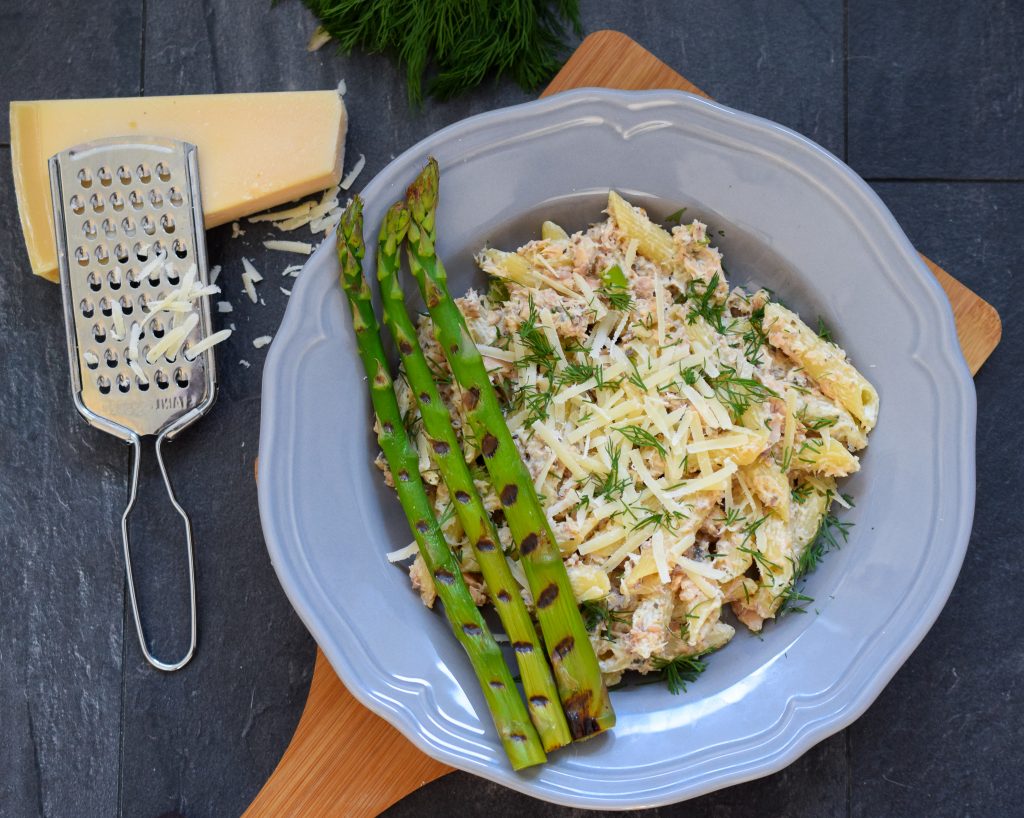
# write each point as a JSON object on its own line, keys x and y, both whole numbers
{"x": 510, "y": 717}
{"x": 583, "y": 693}
{"x": 541, "y": 694}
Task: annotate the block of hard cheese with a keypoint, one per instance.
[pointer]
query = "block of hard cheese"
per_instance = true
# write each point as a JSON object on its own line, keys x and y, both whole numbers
{"x": 255, "y": 150}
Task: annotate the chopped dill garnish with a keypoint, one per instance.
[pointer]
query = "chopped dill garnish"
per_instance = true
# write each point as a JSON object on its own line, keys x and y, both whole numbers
{"x": 731, "y": 517}
{"x": 679, "y": 672}
{"x": 700, "y": 295}
{"x": 738, "y": 393}
{"x": 641, "y": 437}
{"x": 823, "y": 331}
{"x": 675, "y": 218}
{"x": 755, "y": 337}
{"x": 634, "y": 377}
{"x": 539, "y": 350}
{"x": 801, "y": 492}
{"x": 665, "y": 518}
{"x": 615, "y": 288}
{"x": 609, "y": 486}
{"x": 816, "y": 424}
{"x": 596, "y": 612}
{"x": 576, "y": 373}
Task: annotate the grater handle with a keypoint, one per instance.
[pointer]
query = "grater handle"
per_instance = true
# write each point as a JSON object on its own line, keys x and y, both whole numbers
{"x": 136, "y": 457}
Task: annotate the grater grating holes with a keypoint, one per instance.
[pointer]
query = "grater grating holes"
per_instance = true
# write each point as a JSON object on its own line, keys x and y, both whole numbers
{"x": 96, "y": 203}
{"x": 156, "y": 198}
{"x": 126, "y": 305}
{"x": 103, "y": 174}
{"x": 101, "y": 254}
{"x": 94, "y": 281}
{"x": 147, "y": 226}
{"x": 174, "y": 197}
{"x": 163, "y": 172}
{"x": 99, "y": 333}
{"x": 180, "y": 250}
{"x": 172, "y": 276}
{"x": 181, "y": 377}
{"x": 117, "y": 201}
{"x": 103, "y": 384}
{"x": 87, "y": 308}
{"x": 110, "y": 357}
{"x": 123, "y": 383}
{"x": 161, "y": 379}
{"x": 85, "y": 178}
{"x": 105, "y": 307}
{"x": 89, "y": 229}
{"x": 77, "y": 205}
{"x": 135, "y": 199}
{"x": 121, "y": 253}
{"x": 142, "y": 171}
{"x": 167, "y": 223}
{"x": 128, "y": 226}
{"x": 82, "y": 256}
{"x": 124, "y": 176}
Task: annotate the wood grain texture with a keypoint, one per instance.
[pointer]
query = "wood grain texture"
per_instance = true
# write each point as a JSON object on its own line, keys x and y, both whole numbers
{"x": 343, "y": 760}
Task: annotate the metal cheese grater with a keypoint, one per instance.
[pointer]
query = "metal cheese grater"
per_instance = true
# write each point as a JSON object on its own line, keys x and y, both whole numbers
{"x": 129, "y": 227}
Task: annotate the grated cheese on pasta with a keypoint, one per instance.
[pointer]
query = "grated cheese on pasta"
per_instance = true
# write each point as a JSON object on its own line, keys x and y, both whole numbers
{"x": 683, "y": 452}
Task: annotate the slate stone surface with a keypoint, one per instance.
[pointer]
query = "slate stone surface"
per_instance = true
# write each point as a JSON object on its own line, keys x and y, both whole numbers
{"x": 90, "y": 730}
{"x": 65, "y": 48}
{"x": 936, "y": 88}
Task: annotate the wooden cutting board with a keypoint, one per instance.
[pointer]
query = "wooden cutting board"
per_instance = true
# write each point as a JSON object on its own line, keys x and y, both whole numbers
{"x": 345, "y": 761}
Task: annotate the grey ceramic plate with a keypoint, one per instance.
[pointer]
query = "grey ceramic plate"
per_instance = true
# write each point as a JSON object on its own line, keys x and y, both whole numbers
{"x": 794, "y": 219}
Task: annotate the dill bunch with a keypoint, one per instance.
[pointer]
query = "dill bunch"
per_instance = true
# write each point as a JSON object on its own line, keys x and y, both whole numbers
{"x": 460, "y": 42}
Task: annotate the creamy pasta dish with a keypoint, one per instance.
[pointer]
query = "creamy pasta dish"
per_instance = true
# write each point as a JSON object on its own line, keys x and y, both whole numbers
{"x": 685, "y": 438}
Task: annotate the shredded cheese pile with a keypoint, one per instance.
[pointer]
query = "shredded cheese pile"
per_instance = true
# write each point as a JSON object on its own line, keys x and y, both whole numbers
{"x": 685, "y": 439}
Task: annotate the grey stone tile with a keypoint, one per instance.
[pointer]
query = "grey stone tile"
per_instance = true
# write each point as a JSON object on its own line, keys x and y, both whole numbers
{"x": 62, "y": 488}
{"x": 64, "y": 48}
{"x": 936, "y": 89}
{"x": 943, "y": 738}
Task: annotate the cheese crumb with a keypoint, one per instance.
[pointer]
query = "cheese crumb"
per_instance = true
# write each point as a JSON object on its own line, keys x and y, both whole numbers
{"x": 318, "y": 39}
{"x": 262, "y": 341}
{"x": 224, "y": 306}
{"x": 236, "y": 230}
{"x": 244, "y": 363}
{"x": 303, "y": 247}
{"x": 353, "y": 174}
{"x": 214, "y": 273}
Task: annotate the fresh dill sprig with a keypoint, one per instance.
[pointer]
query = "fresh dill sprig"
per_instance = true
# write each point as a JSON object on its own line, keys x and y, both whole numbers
{"x": 738, "y": 393}
{"x": 755, "y": 338}
{"x": 609, "y": 486}
{"x": 458, "y": 45}
{"x": 679, "y": 672}
{"x": 667, "y": 519}
{"x": 641, "y": 437}
{"x": 574, "y": 374}
{"x": 700, "y": 295}
{"x": 538, "y": 346}
{"x": 675, "y": 218}
{"x": 596, "y": 612}
{"x": 816, "y": 424}
{"x": 615, "y": 288}
{"x": 823, "y": 331}
{"x": 634, "y": 376}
